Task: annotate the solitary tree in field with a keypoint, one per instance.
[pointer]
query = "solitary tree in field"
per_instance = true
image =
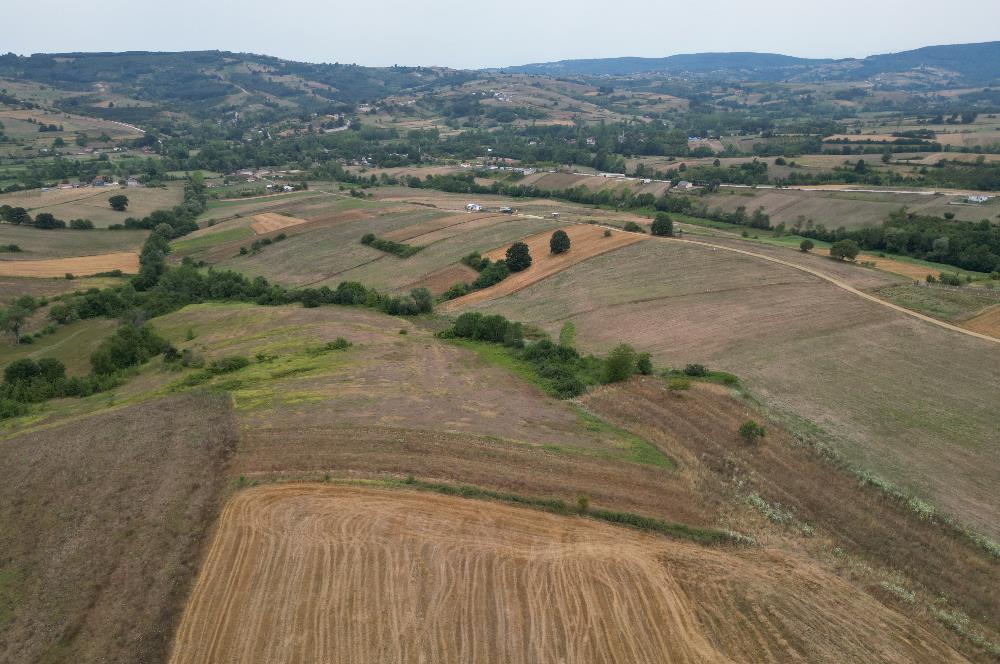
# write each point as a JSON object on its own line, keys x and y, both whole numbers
{"x": 845, "y": 249}
{"x": 12, "y": 320}
{"x": 118, "y": 202}
{"x": 806, "y": 246}
{"x": 751, "y": 431}
{"x": 518, "y": 257}
{"x": 663, "y": 225}
{"x": 559, "y": 243}
{"x": 620, "y": 364}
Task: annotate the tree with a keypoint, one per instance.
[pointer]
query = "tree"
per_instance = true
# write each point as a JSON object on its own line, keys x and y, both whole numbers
{"x": 559, "y": 243}
{"x": 47, "y": 220}
{"x": 750, "y": 431}
{"x": 663, "y": 225}
{"x": 620, "y": 364}
{"x": 15, "y": 215}
{"x": 518, "y": 257}
{"x": 644, "y": 364}
{"x": 845, "y": 249}
{"x": 119, "y": 202}
{"x": 12, "y": 320}
{"x": 806, "y": 246}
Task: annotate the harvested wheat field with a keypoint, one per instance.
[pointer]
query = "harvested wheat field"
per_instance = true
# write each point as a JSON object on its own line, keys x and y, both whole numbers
{"x": 416, "y": 231}
{"x": 587, "y": 241}
{"x": 321, "y": 573}
{"x": 267, "y": 222}
{"x": 126, "y": 261}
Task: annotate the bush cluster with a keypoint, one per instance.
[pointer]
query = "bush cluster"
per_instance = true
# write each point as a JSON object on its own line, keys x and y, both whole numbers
{"x": 490, "y": 273}
{"x": 559, "y": 367}
{"x": 390, "y": 247}
{"x": 257, "y": 245}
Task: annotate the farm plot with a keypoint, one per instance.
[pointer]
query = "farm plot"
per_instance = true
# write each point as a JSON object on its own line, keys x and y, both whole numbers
{"x": 586, "y": 240}
{"x": 37, "y": 244}
{"x": 268, "y": 222}
{"x": 126, "y": 261}
{"x": 987, "y": 322}
{"x": 326, "y": 573}
{"x": 904, "y": 398}
{"x": 92, "y": 202}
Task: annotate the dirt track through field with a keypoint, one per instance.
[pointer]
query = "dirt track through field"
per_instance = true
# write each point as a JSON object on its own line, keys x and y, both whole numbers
{"x": 266, "y": 222}
{"x": 845, "y": 286}
{"x": 126, "y": 261}
{"x": 587, "y": 241}
{"x": 327, "y": 573}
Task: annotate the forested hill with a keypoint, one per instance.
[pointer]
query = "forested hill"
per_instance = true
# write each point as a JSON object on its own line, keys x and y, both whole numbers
{"x": 972, "y": 63}
{"x": 201, "y": 80}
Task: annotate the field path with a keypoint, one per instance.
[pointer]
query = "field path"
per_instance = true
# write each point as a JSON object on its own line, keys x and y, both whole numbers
{"x": 334, "y": 573}
{"x": 845, "y": 286}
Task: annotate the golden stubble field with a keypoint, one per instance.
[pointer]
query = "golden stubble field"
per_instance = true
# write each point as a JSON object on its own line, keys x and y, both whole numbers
{"x": 326, "y": 573}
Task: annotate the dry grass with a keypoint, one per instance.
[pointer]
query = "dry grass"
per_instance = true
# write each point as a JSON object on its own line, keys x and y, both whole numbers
{"x": 987, "y": 322}
{"x": 126, "y": 261}
{"x": 900, "y": 396}
{"x": 38, "y": 244}
{"x": 92, "y": 202}
{"x": 405, "y": 577}
{"x": 586, "y": 241}
{"x": 267, "y": 222}
{"x": 101, "y": 524}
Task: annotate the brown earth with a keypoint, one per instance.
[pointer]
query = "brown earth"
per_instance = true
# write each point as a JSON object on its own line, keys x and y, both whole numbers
{"x": 267, "y": 222}
{"x": 101, "y": 527}
{"x": 441, "y": 280}
{"x": 987, "y": 322}
{"x": 432, "y": 225}
{"x": 126, "y": 261}
{"x": 586, "y": 241}
{"x": 398, "y": 576}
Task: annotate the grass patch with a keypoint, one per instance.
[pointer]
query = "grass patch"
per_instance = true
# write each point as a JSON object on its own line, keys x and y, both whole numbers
{"x": 939, "y": 302}
{"x": 637, "y": 450}
{"x": 211, "y": 239}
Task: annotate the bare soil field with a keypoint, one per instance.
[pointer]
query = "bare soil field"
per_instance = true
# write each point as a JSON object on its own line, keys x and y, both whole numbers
{"x": 441, "y": 280}
{"x": 922, "y": 415}
{"x": 586, "y": 240}
{"x": 101, "y": 528}
{"x": 126, "y": 261}
{"x": 267, "y": 222}
{"x": 405, "y": 577}
{"x": 987, "y": 322}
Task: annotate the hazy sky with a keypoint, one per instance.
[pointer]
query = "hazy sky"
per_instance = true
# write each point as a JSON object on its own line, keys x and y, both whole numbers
{"x": 460, "y": 33}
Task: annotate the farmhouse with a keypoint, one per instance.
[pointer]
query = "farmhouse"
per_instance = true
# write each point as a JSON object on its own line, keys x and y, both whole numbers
{"x": 473, "y": 207}
{"x": 132, "y": 182}
{"x": 683, "y": 184}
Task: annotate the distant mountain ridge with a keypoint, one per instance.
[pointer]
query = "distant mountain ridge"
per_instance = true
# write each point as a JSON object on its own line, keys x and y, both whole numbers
{"x": 974, "y": 63}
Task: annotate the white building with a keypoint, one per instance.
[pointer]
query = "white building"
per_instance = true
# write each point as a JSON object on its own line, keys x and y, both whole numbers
{"x": 977, "y": 199}
{"x": 473, "y": 207}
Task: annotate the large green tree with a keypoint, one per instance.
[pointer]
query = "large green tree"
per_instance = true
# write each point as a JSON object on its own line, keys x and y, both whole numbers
{"x": 518, "y": 257}
{"x": 559, "y": 243}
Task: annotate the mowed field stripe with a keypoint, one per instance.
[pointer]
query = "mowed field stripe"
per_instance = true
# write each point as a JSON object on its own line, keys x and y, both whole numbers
{"x": 126, "y": 261}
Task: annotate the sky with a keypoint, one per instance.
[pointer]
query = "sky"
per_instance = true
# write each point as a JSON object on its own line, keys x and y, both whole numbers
{"x": 475, "y": 34}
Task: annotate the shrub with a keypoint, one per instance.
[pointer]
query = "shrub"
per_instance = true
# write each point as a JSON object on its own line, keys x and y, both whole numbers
{"x": 806, "y": 246}
{"x": 367, "y": 238}
{"x": 492, "y": 274}
{"x": 567, "y": 335}
{"x": 119, "y": 203}
{"x": 607, "y": 232}
{"x": 518, "y": 257}
{"x": 750, "y": 431}
{"x": 559, "y": 242}
{"x": 644, "y": 364}
{"x": 582, "y": 503}
{"x": 633, "y": 227}
{"x": 228, "y": 364}
{"x": 620, "y": 365}
{"x": 388, "y": 246}
{"x": 475, "y": 261}
{"x": 698, "y": 370}
{"x": 950, "y": 279}
{"x": 457, "y": 290}
{"x": 127, "y": 347}
{"x": 663, "y": 225}
{"x": 81, "y": 224}
{"x": 422, "y": 298}
{"x": 844, "y": 249}
{"x": 47, "y": 221}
